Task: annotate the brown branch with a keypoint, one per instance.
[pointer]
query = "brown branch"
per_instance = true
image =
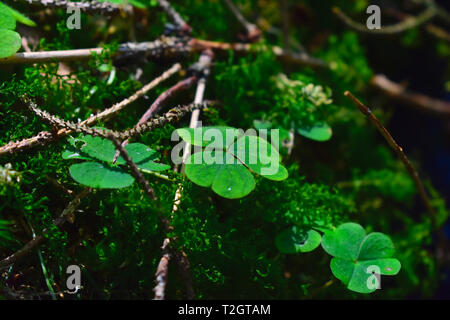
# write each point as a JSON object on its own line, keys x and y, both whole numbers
{"x": 167, "y": 46}
{"x": 417, "y": 100}
{"x": 164, "y": 46}
{"x": 162, "y": 272}
{"x": 66, "y": 215}
{"x": 46, "y": 137}
{"x": 288, "y": 57}
{"x": 399, "y": 151}
{"x": 104, "y": 8}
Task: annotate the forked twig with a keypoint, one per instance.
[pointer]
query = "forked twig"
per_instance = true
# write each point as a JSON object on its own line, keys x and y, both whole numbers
{"x": 171, "y": 116}
{"x": 46, "y": 137}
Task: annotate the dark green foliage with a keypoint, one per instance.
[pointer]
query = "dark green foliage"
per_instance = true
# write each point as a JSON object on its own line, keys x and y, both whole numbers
{"x": 231, "y": 243}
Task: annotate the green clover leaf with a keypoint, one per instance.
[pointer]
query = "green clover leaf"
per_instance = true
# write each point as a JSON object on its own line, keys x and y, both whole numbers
{"x": 295, "y": 240}
{"x": 228, "y": 156}
{"x": 357, "y": 254}
{"x": 319, "y": 131}
{"x": 107, "y": 175}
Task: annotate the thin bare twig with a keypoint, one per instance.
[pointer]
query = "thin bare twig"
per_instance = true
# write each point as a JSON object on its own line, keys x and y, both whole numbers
{"x": 400, "y": 27}
{"x": 417, "y": 100}
{"x": 289, "y": 57}
{"x": 140, "y": 178}
{"x": 399, "y": 151}
{"x": 46, "y": 137}
{"x": 162, "y": 272}
{"x": 253, "y": 32}
{"x": 38, "y": 240}
{"x": 175, "y": 16}
{"x": 203, "y": 66}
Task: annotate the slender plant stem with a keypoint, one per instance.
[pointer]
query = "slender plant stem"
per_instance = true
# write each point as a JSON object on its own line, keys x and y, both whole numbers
{"x": 253, "y": 32}
{"x": 399, "y": 151}
{"x": 162, "y": 272}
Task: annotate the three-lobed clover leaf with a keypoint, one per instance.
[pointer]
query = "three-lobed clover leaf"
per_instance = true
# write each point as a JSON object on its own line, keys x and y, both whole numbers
{"x": 295, "y": 240}
{"x": 228, "y": 156}
{"x": 99, "y": 171}
{"x": 357, "y": 256}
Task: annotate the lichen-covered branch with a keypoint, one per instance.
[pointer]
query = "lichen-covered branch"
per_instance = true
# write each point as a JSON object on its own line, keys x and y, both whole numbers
{"x": 92, "y": 6}
{"x": 171, "y": 116}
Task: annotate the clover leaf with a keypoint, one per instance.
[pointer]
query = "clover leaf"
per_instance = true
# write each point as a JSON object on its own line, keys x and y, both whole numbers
{"x": 10, "y": 41}
{"x": 19, "y": 17}
{"x": 295, "y": 240}
{"x": 320, "y": 131}
{"x": 357, "y": 256}
{"x": 227, "y": 159}
{"x": 99, "y": 171}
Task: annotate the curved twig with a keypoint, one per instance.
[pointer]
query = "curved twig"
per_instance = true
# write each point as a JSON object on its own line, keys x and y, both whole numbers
{"x": 400, "y": 27}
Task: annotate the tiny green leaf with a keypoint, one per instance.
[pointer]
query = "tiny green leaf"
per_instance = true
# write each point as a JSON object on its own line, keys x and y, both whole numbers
{"x": 294, "y": 240}
{"x": 212, "y": 137}
{"x": 19, "y": 16}
{"x": 7, "y": 20}
{"x": 96, "y": 148}
{"x": 318, "y": 132}
{"x": 10, "y": 43}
